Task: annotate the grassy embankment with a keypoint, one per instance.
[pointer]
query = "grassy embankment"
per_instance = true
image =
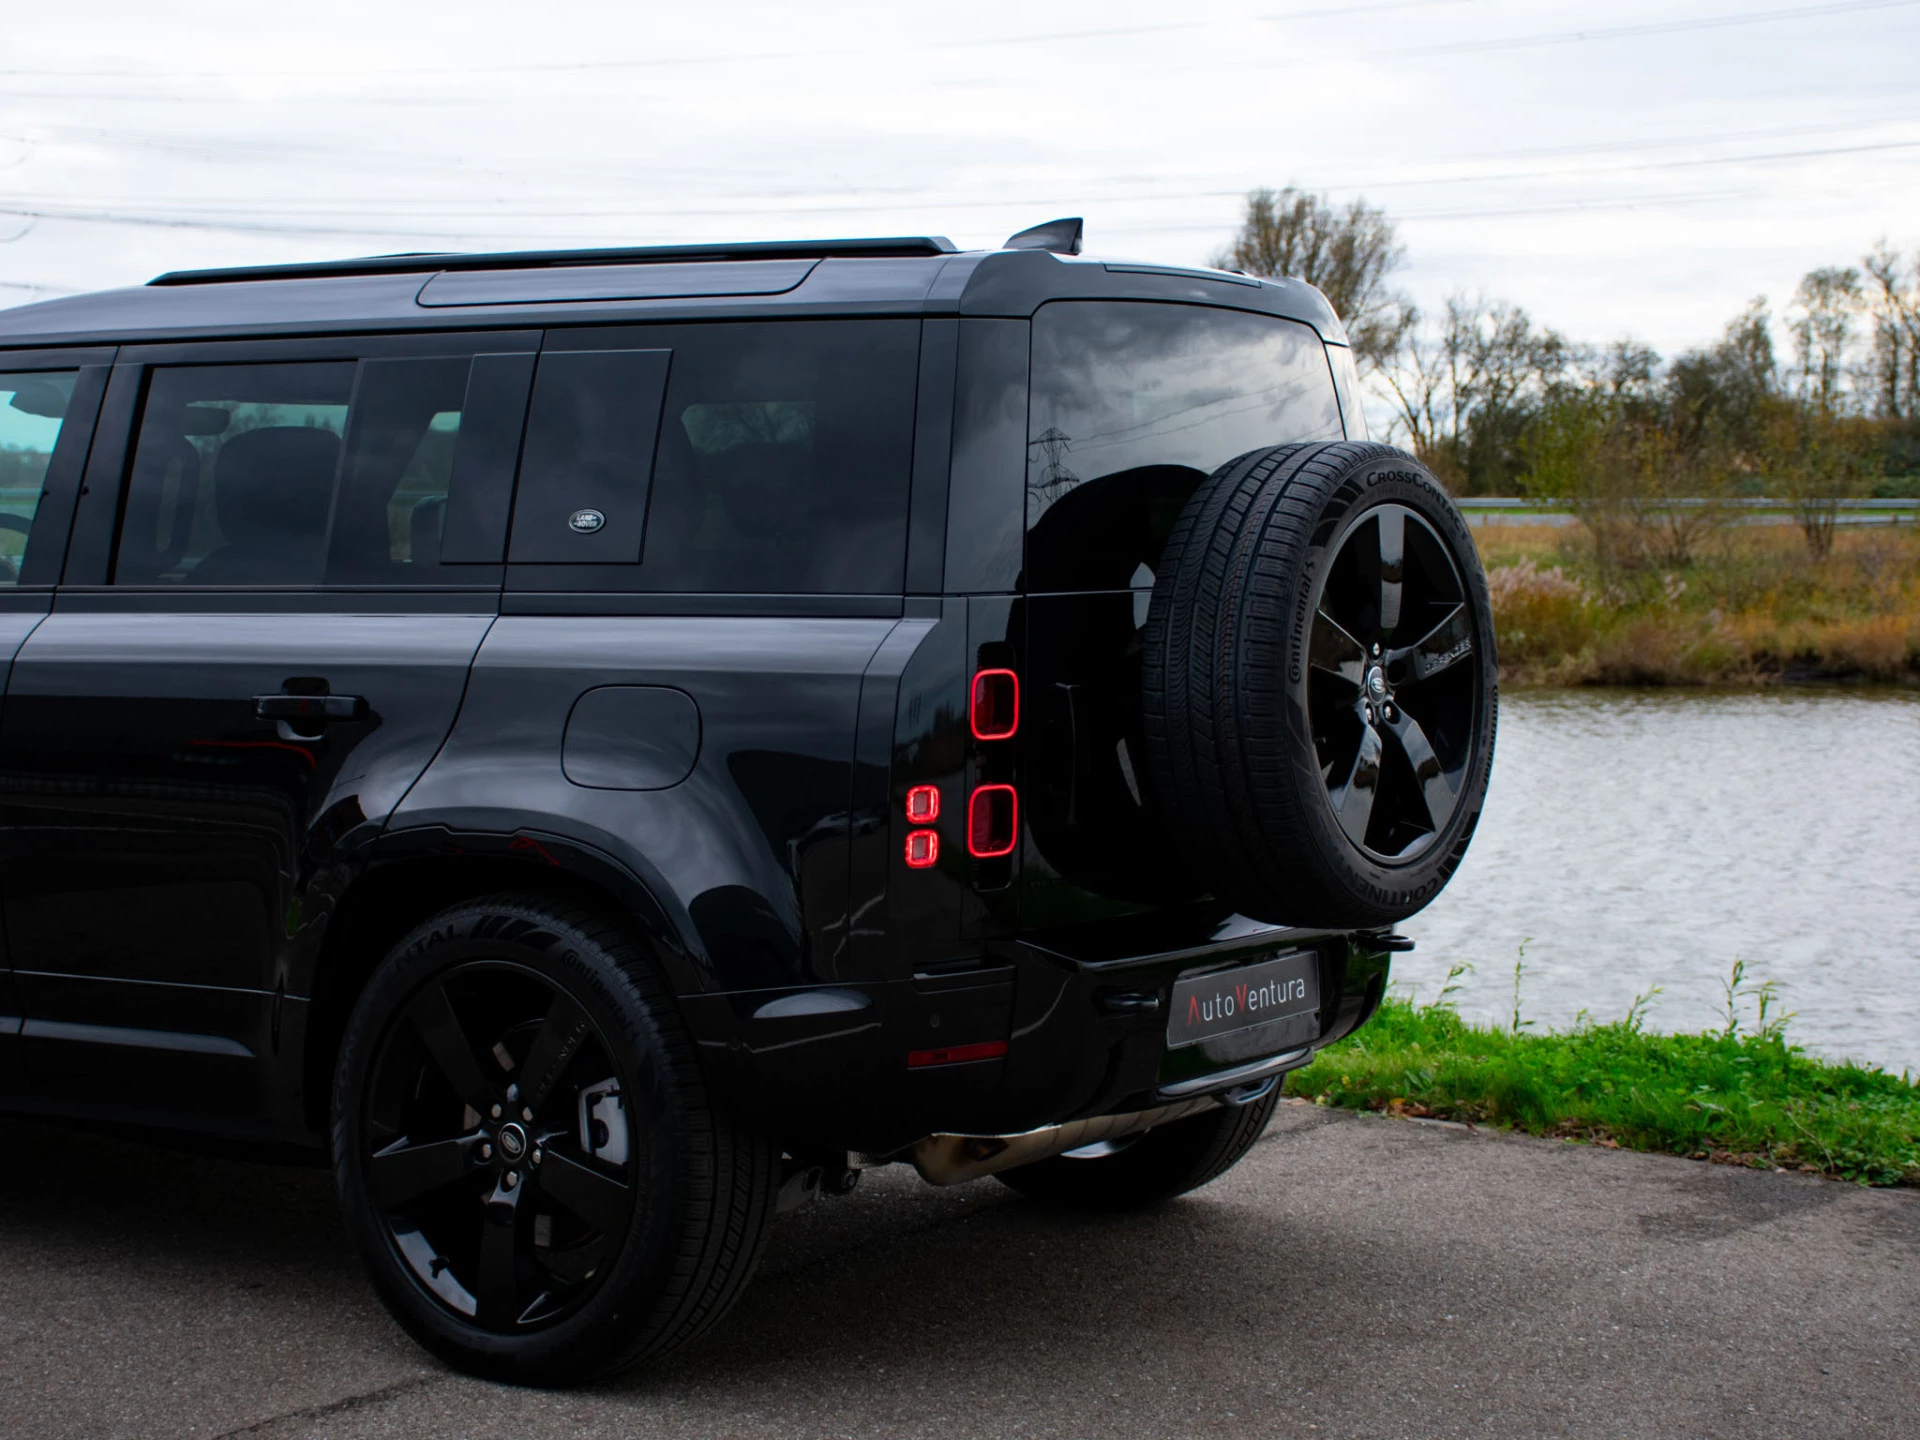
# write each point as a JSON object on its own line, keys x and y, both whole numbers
{"x": 1749, "y": 604}
{"x": 1738, "y": 1096}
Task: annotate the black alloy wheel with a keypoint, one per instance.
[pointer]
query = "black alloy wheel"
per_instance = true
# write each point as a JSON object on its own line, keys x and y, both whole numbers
{"x": 499, "y": 1146}
{"x": 528, "y": 1158}
{"x": 1319, "y": 687}
{"x": 1390, "y": 701}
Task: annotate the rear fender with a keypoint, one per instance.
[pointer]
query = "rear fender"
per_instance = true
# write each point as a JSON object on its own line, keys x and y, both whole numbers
{"x": 544, "y": 856}
{"x": 734, "y": 817}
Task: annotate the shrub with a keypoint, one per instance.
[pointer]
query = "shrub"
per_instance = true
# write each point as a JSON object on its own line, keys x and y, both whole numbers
{"x": 1753, "y": 605}
{"x": 1539, "y": 615}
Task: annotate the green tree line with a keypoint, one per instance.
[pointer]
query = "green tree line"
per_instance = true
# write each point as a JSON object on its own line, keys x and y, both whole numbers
{"x": 1814, "y": 405}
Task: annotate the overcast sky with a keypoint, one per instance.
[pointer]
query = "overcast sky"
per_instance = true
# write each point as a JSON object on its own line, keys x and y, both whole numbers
{"x": 1631, "y": 167}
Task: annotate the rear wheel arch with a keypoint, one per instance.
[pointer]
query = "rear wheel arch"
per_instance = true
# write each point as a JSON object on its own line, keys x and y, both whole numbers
{"x": 417, "y": 878}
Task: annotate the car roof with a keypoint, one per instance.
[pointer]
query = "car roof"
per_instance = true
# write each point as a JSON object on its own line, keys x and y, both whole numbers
{"x": 520, "y": 289}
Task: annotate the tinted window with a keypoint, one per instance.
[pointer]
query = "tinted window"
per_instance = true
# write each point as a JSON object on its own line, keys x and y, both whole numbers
{"x": 297, "y": 474}
{"x": 784, "y": 459}
{"x": 589, "y": 455}
{"x": 32, "y": 407}
{"x": 401, "y": 437}
{"x": 1133, "y": 403}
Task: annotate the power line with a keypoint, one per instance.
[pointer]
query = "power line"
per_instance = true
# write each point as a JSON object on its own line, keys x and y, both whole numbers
{"x": 169, "y": 222}
{"x": 208, "y": 214}
{"x": 1658, "y": 27}
{"x": 1624, "y": 203}
{"x": 1463, "y": 47}
{"x": 652, "y": 62}
{"x": 1654, "y": 200}
{"x": 1669, "y": 142}
{"x": 1771, "y": 157}
{"x": 359, "y": 158}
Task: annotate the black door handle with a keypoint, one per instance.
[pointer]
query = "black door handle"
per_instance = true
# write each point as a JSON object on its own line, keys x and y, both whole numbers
{"x": 313, "y": 709}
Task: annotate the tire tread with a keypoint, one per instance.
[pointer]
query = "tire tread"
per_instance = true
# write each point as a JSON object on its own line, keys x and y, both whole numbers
{"x": 1222, "y": 746}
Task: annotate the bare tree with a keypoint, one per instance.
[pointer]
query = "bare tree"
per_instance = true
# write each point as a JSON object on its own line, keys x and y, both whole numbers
{"x": 1348, "y": 254}
{"x": 1419, "y": 384}
{"x": 1814, "y": 447}
{"x": 1893, "y": 315}
{"x": 1466, "y": 390}
{"x": 1821, "y": 323}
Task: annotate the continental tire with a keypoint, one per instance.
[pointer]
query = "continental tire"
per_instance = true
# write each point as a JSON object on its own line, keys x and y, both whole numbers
{"x": 1164, "y": 1162}
{"x": 1319, "y": 685}
{"x": 540, "y": 1184}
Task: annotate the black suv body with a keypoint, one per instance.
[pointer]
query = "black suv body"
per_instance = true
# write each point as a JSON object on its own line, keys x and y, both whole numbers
{"x": 781, "y": 607}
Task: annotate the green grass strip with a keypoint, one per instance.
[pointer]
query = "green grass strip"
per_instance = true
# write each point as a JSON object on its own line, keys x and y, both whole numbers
{"x": 1750, "y": 1099}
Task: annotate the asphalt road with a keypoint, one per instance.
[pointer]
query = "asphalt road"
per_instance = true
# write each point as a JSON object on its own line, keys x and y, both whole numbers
{"x": 1354, "y": 1276}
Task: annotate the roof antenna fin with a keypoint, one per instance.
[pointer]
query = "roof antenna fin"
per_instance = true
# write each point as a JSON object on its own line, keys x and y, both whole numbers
{"x": 1062, "y": 237}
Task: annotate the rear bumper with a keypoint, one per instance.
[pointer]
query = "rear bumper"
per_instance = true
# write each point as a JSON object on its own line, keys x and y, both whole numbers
{"x": 1062, "y": 1032}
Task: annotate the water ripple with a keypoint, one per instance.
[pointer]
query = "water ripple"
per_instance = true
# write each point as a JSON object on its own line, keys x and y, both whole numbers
{"x": 1651, "y": 838}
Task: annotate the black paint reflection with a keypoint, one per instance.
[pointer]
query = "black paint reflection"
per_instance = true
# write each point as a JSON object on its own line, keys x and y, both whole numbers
{"x": 1132, "y": 388}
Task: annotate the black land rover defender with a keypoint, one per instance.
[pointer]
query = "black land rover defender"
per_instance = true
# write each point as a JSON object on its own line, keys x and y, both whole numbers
{"x": 607, "y": 745}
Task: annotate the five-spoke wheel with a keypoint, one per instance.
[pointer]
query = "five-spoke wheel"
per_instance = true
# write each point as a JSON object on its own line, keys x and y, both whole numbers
{"x": 1390, "y": 699}
{"x": 498, "y": 1145}
{"x": 528, "y": 1157}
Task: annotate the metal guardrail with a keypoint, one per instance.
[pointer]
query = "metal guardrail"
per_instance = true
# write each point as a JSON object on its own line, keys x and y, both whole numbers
{"x": 1754, "y": 502}
{"x": 1755, "y": 510}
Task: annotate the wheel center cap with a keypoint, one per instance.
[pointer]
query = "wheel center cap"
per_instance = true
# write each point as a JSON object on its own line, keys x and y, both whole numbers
{"x": 513, "y": 1142}
{"x": 1377, "y": 683}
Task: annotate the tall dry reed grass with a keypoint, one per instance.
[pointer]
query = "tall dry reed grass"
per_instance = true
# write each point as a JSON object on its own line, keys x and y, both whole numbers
{"x": 1753, "y": 605}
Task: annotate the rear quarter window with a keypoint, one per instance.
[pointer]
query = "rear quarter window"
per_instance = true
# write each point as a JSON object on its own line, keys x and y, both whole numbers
{"x": 785, "y": 456}
{"x": 780, "y": 462}
{"x": 1133, "y": 404}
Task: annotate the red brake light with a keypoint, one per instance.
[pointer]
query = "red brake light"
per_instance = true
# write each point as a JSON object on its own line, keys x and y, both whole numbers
{"x": 993, "y": 707}
{"x": 923, "y": 804}
{"x": 993, "y": 821}
{"x": 923, "y": 849}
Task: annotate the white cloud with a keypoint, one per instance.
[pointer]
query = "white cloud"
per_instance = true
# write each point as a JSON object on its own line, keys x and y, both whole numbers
{"x": 1642, "y": 183}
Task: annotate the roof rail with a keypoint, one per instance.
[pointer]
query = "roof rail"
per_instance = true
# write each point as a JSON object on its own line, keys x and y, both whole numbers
{"x": 426, "y": 262}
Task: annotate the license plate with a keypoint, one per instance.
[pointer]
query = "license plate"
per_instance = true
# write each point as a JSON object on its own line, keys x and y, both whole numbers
{"x": 1232, "y": 1000}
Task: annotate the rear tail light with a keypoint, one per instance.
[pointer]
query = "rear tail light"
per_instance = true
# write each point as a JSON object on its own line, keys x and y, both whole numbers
{"x": 993, "y": 707}
{"x": 923, "y": 804}
{"x": 993, "y": 821}
{"x": 923, "y": 849}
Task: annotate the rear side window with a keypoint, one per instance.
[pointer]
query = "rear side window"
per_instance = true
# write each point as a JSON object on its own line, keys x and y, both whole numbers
{"x": 1133, "y": 404}
{"x": 778, "y": 461}
{"x": 32, "y": 407}
{"x": 331, "y": 472}
{"x": 785, "y": 454}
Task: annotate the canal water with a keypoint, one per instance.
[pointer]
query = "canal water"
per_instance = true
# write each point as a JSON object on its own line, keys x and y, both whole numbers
{"x": 1644, "y": 839}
